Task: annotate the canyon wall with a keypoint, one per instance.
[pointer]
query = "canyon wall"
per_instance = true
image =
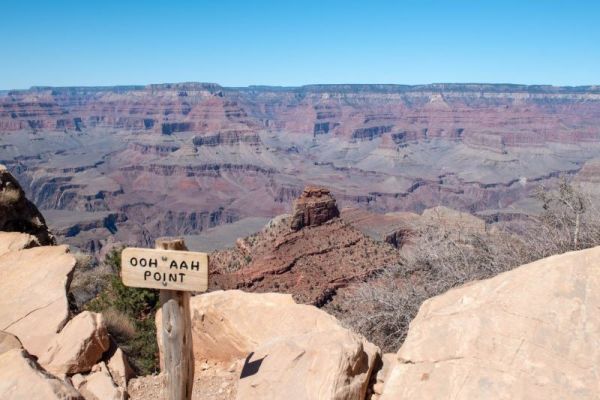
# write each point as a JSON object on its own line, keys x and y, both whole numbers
{"x": 176, "y": 159}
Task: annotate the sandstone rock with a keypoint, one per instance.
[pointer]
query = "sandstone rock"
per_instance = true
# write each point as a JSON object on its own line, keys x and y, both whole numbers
{"x": 119, "y": 368}
{"x": 17, "y": 213}
{"x": 531, "y": 333}
{"x": 319, "y": 365}
{"x": 307, "y": 348}
{"x": 314, "y": 207}
{"x": 388, "y": 361}
{"x": 9, "y": 342}
{"x": 99, "y": 385}
{"x": 21, "y": 378}
{"x": 78, "y": 346}
{"x": 33, "y": 304}
{"x": 227, "y": 325}
{"x": 13, "y": 241}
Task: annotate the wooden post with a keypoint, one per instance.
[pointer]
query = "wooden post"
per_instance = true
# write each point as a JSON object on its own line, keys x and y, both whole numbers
{"x": 177, "y": 334}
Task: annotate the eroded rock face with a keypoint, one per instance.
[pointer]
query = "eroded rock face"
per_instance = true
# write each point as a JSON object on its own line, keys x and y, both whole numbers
{"x": 33, "y": 304}
{"x": 17, "y": 213}
{"x": 78, "y": 346}
{"x": 314, "y": 207}
{"x": 310, "y": 355}
{"x": 531, "y": 333}
{"x": 21, "y": 378}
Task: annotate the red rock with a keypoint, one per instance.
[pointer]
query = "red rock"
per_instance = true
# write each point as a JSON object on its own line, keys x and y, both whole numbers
{"x": 315, "y": 206}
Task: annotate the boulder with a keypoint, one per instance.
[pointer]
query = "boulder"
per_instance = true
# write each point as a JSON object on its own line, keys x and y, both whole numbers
{"x": 119, "y": 368}
{"x": 21, "y": 378}
{"x": 99, "y": 385}
{"x": 9, "y": 342}
{"x": 301, "y": 347}
{"x": 78, "y": 346}
{"x": 227, "y": 325}
{"x": 13, "y": 241}
{"x": 34, "y": 305}
{"x": 530, "y": 333}
{"x": 314, "y": 207}
{"x": 334, "y": 365}
{"x": 17, "y": 213}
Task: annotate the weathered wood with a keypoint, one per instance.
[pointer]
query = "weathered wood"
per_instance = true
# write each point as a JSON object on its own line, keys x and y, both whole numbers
{"x": 177, "y": 335}
{"x": 165, "y": 269}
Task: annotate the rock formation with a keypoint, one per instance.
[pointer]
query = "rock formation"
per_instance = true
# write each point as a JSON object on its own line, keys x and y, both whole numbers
{"x": 312, "y": 263}
{"x": 289, "y": 349}
{"x": 134, "y": 163}
{"x": 529, "y": 333}
{"x": 17, "y": 213}
{"x": 314, "y": 207}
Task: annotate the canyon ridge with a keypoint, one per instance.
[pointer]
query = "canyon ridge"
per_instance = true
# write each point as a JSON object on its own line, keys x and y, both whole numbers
{"x": 131, "y": 163}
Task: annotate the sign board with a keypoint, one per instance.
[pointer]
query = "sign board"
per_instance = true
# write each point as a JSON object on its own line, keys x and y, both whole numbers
{"x": 164, "y": 269}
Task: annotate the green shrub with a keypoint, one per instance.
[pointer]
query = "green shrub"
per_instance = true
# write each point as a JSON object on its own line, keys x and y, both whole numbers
{"x": 130, "y": 317}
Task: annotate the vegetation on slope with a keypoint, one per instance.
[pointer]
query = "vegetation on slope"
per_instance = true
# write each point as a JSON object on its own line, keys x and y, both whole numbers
{"x": 129, "y": 313}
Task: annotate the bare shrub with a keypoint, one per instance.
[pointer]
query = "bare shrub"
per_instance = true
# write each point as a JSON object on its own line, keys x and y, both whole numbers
{"x": 382, "y": 308}
{"x": 441, "y": 258}
{"x": 119, "y": 325}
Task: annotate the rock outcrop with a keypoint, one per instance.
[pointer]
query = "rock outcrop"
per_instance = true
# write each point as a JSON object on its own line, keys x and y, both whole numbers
{"x": 22, "y": 378}
{"x": 78, "y": 346}
{"x": 530, "y": 333}
{"x": 17, "y": 213}
{"x": 314, "y": 207}
{"x": 312, "y": 264}
{"x": 34, "y": 304}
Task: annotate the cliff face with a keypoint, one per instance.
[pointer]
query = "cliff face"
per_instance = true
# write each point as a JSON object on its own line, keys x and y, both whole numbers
{"x": 179, "y": 158}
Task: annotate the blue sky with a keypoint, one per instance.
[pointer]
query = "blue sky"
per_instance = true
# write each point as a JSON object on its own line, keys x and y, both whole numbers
{"x": 239, "y": 43}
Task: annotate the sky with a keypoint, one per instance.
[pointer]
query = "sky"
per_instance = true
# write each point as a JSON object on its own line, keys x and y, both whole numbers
{"x": 292, "y": 43}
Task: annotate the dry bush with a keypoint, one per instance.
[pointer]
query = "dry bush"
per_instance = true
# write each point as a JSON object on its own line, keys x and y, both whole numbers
{"x": 440, "y": 259}
{"x": 382, "y": 308}
{"x": 119, "y": 325}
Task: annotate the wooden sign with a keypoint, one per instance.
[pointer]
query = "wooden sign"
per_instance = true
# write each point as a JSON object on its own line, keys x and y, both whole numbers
{"x": 164, "y": 269}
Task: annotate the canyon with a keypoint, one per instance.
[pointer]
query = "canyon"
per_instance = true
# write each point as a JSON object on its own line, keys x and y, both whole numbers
{"x": 109, "y": 165}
